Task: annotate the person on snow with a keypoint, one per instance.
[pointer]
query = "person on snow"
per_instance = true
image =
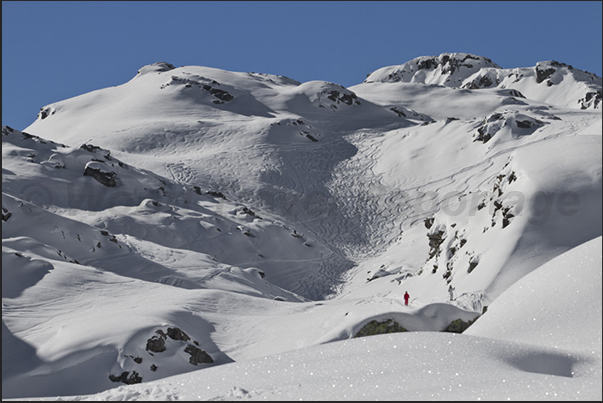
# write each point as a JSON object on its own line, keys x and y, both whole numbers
{"x": 406, "y": 297}
{"x": 451, "y": 292}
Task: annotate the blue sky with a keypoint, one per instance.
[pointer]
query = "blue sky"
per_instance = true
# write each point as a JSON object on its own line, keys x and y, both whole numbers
{"x": 53, "y": 50}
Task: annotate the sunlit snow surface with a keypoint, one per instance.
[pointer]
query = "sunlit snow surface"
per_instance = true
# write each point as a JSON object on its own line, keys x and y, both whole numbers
{"x": 541, "y": 340}
{"x": 270, "y": 220}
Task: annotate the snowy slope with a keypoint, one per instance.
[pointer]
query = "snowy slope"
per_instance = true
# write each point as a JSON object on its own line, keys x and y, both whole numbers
{"x": 253, "y": 218}
{"x": 537, "y": 342}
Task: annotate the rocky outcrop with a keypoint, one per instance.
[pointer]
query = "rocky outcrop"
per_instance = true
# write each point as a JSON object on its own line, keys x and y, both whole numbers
{"x": 101, "y": 173}
{"x": 218, "y": 93}
{"x": 435, "y": 240}
{"x": 543, "y": 74}
{"x": 449, "y": 69}
{"x": 175, "y": 333}
{"x": 157, "y": 67}
{"x": 158, "y": 344}
{"x": 45, "y": 112}
{"x": 198, "y": 356}
{"x": 127, "y": 378}
{"x": 466, "y": 71}
{"x": 592, "y": 100}
{"x": 347, "y": 97}
{"x": 205, "y": 84}
{"x": 518, "y": 124}
{"x": 5, "y": 214}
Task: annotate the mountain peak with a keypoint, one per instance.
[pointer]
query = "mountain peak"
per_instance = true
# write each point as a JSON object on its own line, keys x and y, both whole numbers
{"x": 447, "y": 69}
{"x": 158, "y": 67}
{"x": 548, "y": 81}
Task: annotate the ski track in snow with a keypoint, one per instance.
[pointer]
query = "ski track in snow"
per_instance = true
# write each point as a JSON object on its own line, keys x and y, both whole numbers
{"x": 330, "y": 190}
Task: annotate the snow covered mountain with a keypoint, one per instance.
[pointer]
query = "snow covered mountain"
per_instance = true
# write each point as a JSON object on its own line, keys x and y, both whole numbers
{"x": 193, "y": 217}
{"x": 573, "y": 88}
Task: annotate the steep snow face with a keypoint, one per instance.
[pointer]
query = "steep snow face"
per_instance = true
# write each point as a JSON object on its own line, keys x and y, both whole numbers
{"x": 448, "y": 69}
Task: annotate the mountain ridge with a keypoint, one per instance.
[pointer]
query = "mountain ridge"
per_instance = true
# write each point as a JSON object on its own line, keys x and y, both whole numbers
{"x": 467, "y": 71}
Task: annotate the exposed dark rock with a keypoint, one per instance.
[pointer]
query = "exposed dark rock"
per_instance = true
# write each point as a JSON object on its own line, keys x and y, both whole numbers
{"x": 156, "y": 344}
{"x": 449, "y": 64}
{"x": 591, "y": 100}
{"x": 218, "y": 93}
{"x": 542, "y": 75}
{"x": 247, "y": 210}
{"x": 106, "y": 178}
{"x": 494, "y": 117}
{"x": 497, "y": 206}
{"x": 428, "y": 64}
{"x": 516, "y": 94}
{"x": 216, "y": 194}
{"x": 346, "y": 98}
{"x": 89, "y": 147}
{"x": 512, "y": 101}
{"x": 124, "y": 378}
{"x": 5, "y": 214}
{"x": 198, "y": 356}
{"x": 176, "y": 334}
{"x": 483, "y": 134}
{"x": 6, "y": 130}
{"x": 484, "y": 81}
{"x": 512, "y": 177}
{"x": 507, "y": 215}
{"x": 435, "y": 240}
{"x": 163, "y": 66}
{"x": 524, "y": 124}
{"x": 400, "y": 113}
{"x": 428, "y": 222}
{"x": 374, "y": 327}
{"x": 137, "y": 360}
{"x": 311, "y": 137}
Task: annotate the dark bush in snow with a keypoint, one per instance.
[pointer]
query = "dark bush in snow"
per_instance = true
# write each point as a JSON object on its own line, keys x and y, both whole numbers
{"x": 374, "y": 327}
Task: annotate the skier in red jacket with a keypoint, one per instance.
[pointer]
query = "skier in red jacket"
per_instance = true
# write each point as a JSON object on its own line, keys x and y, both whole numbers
{"x": 406, "y": 297}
